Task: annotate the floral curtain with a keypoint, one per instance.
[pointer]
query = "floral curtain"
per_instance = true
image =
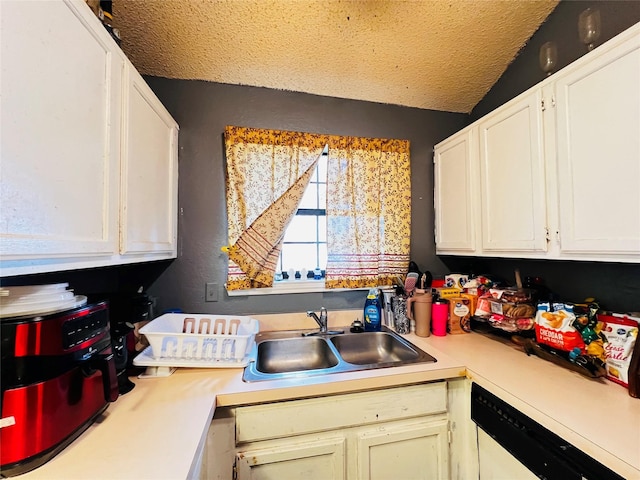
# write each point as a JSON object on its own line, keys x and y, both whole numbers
{"x": 267, "y": 174}
{"x": 368, "y": 211}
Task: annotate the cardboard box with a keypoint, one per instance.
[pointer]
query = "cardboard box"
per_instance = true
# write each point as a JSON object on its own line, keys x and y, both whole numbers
{"x": 459, "y": 315}
{"x": 456, "y": 280}
{"x": 474, "y": 301}
{"x": 444, "y": 292}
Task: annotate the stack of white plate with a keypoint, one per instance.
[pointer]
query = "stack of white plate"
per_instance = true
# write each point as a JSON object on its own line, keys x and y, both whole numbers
{"x": 38, "y": 299}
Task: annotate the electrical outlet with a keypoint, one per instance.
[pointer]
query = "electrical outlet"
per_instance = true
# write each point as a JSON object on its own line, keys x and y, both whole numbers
{"x": 211, "y": 292}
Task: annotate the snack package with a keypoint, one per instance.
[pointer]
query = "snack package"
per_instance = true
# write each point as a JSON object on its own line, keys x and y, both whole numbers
{"x": 590, "y": 329}
{"x": 511, "y": 325}
{"x": 621, "y": 333}
{"x": 455, "y": 280}
{"x": 473, "y": 299}
{"x": 459, "y": 315}
{"x": 483, "y": 305}
{"x": 510, "y": 310}
{"x": 513, "y": 310}
{"x": 479, "y": 285}
{"x": 554, "y": 327}
{"x": 443, "y": 292}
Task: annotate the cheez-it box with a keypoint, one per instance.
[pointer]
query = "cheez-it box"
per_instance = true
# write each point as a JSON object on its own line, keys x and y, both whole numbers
{"x": 445, "y": 292}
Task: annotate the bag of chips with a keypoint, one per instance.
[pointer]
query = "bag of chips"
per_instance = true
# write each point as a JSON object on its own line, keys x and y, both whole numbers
{"x": 621, "y": 333}
{"x": 554, "y": 327}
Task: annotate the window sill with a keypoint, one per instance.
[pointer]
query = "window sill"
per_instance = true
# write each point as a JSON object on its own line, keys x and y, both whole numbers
{"x": 289, "y": 287}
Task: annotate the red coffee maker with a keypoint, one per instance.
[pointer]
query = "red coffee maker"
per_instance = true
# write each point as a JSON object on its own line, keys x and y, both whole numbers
{"x": 58, "y": 375}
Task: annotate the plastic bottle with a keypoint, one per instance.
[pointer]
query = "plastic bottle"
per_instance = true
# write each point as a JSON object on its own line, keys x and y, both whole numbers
{"x": 372, "y": 311}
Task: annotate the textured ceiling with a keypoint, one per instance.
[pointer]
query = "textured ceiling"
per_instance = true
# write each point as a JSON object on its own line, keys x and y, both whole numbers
{"x": 440, "y": 54}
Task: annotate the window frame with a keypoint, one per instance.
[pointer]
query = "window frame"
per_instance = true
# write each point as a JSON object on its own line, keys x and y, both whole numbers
{"x": 316, "y": 180}
{"x": 307, "y": 285}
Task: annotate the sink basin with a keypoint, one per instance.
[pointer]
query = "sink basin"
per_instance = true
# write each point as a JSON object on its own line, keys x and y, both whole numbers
{"x": 294, "y": 355}
{"x": 290, "y": 354}
{"x": 373, "y": 347}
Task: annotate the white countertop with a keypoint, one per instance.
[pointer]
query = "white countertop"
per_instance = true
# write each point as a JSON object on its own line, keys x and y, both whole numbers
{"x": 595, "y": 415}
{"x": 154, "y": 431}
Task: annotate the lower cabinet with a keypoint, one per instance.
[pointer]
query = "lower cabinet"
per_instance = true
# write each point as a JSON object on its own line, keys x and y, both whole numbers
{"x": 417, "y": 449}
{"x": 390, "y": 450}
{"x": 313, "y": 459}
{"x": 394, "y": 433}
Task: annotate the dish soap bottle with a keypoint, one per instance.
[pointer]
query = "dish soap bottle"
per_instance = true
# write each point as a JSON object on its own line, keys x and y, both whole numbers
{"x": 372, "y": 311}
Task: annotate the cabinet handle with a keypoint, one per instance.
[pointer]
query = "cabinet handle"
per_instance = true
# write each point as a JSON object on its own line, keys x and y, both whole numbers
{"x": 542, "y": 104}
{"x": 553, "y": 101}
{"x": 547, "y": 237}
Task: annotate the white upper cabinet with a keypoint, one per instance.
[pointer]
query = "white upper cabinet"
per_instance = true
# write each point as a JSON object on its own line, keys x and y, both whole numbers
{"x": 149, "y": 171}
{"x": 61, "y": 101}
{"x": 455, "y": 194}
{"x": 598, "y": 142}
{"x": 559, "y": 165}
{"x": 88, "y": 154}
{"x": 512, "y": 178}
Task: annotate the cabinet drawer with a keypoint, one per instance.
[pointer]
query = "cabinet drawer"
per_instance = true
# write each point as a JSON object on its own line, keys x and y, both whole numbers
{"x": 283, "y": 419}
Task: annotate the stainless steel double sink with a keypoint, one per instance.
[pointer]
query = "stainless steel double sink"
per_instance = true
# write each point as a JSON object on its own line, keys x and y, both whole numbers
{"x": 290, "y": 354}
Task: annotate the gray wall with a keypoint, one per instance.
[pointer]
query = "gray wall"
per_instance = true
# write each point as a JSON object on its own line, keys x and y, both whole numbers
{"x": 561, "y": 27}
{"x": 616, "y": 286}
{"x": 203, "y": 109}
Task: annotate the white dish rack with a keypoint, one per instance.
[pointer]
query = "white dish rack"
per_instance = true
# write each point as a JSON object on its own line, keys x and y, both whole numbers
{"x": 198, "y": 340}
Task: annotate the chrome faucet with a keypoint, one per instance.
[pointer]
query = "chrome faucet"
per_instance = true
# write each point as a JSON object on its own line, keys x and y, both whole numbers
{"x": 322, "y": 323}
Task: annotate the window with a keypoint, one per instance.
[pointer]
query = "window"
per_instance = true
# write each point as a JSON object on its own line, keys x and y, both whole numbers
{"x": 301, "y": 201}
{"x": 304, "y": 248}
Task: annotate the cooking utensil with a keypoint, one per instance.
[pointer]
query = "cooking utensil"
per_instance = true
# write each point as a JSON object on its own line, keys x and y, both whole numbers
{"x": 518, "y": 279}
{"x": 410, "y": 282}
{"x": 399, "y": 286}
{"x": 426, "y": 280}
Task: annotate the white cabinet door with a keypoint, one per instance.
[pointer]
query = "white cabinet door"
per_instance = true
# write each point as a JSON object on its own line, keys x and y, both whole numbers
{"x": 512, "y": 178}
{"x": 60, "y": 107}
{"x": 304, "y": 460}
{"x": 391, "y": 433}
{"x": 414, "y": 451}
{"x": 456, "y": 194}
{"x": 149, "y": 172}
{"x": 598, "y": 139}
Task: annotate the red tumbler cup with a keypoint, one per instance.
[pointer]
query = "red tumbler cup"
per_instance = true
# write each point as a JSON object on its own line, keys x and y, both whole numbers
{"x": 439, "y": 317}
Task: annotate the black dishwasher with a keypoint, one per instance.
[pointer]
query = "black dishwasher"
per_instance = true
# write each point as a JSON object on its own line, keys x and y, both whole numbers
{"x": 543, "y": 452}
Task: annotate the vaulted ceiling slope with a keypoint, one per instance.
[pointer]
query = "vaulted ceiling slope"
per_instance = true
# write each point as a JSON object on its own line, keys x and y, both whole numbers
{"x": 431, "y": 54}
